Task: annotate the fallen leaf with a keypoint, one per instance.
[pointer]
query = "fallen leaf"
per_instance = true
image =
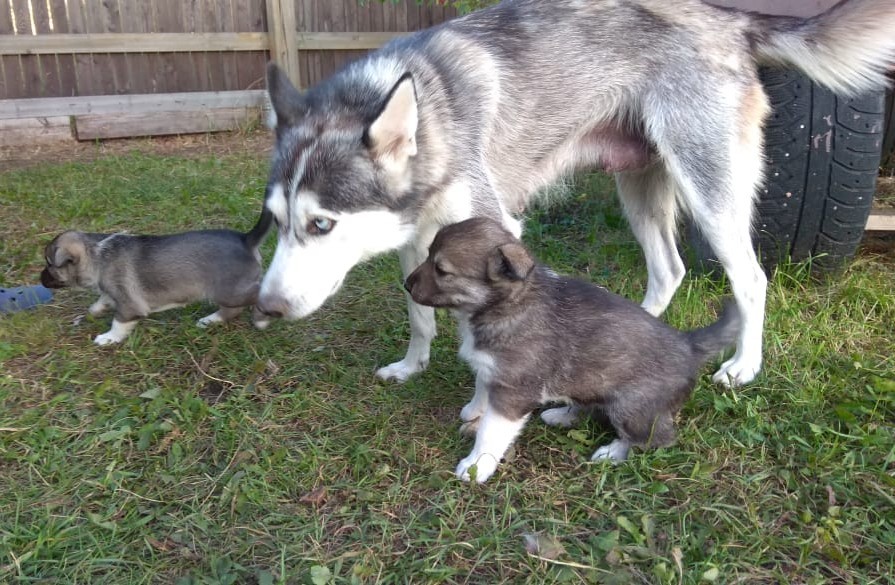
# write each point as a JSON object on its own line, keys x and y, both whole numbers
{"x": 316, "y": 497}
{"x": 543, "y": 546}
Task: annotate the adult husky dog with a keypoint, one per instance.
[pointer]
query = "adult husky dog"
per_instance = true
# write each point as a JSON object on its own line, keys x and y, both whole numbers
{"x": 473, "y": 117}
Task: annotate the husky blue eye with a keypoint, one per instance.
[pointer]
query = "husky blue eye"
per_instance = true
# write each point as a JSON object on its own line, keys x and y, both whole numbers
{"x": 319, "y": 226}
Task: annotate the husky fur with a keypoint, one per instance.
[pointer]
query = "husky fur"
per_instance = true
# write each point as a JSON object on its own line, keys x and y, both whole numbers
{"x": 534, "y": 337}
{"x": 477, "y": 115}
{"x": 137, "y": 275}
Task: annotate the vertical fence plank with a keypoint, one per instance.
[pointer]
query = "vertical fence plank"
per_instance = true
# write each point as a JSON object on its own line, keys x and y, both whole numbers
{"x": 68, "y": 80}
{"x": 283, "y": 36}
{"x": 11, "y": 83}
{"x": 48, "y": 69}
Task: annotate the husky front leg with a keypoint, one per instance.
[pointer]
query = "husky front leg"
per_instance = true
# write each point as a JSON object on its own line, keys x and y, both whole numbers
{"x": 422, "y": 325}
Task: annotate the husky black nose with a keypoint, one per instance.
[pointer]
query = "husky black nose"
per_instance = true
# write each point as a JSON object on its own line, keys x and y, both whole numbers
{"x": 273, "y": 306}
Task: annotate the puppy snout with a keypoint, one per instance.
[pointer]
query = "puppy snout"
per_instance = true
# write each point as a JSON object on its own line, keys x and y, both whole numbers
{"x": 273, "y": 306}
{"x": 411, "y": 281}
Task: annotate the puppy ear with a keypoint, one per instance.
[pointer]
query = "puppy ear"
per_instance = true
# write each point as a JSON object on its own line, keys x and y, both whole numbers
{"x": 286, "y": 103}
{"x": 63, "y": 255}
{"x": 510, "y": 262}
{"x": 392, "y": 135}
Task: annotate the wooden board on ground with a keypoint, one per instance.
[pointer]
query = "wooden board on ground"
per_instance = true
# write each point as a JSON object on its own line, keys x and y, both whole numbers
{"x": 881, "y": 220}
{"x": 27, "y": 131}
{"x": 124, "y": 125}
{"x": 140, "y": 103}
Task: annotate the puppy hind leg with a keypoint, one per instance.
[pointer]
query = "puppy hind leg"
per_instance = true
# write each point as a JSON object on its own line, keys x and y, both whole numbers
{"x": 222, "y": 315}
{"x": 562, "y": 416}
{"x": 103, "y": 303}
{"x": 648, "y": 197}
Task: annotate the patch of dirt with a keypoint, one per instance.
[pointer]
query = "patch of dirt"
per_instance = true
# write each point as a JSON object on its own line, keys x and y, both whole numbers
{"x": 191, "y": 145}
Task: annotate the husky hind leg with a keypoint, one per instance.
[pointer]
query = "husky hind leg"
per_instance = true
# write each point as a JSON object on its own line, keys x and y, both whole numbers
{"x": 716, "y": 161}
{"x": 648, "y": 198}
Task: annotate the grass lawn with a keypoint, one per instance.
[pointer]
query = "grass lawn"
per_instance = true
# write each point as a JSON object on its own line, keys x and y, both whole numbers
{"x": 237, "y": 456}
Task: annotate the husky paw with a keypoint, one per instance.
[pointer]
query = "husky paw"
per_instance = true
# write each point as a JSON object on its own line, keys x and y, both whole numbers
{"x": 616, "y": 451}
{"x": 485, "y": 465}
{"x": 209, "y": 320}
{"x": 563, "y": 416}
{"x": 107, "y": 338}
{"x": 401, "y": 371}
{"x": 261, "y": 324}
{"x": 470, "y": 428}
{"x": 737, "y": 371}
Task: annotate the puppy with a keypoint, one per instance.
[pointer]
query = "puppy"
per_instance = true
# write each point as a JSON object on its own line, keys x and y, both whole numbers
{"x": 534, "y": 338}
{"x": 139, "y": 275}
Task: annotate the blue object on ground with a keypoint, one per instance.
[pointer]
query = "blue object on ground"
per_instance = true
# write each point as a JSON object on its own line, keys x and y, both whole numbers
{"x": 19, "y": 298}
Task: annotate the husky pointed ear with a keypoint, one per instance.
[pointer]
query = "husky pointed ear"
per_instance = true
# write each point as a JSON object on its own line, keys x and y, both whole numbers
{"x": 392, "y": 135}
{"x": 286, "y": 102}
{"x": 510, "y": 262}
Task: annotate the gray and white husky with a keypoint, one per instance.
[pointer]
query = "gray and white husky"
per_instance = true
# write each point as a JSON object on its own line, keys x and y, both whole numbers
{"x": 475, "y": 116}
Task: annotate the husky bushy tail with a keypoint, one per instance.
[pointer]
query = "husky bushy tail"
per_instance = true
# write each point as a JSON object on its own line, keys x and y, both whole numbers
{"x": 849, "y": 48}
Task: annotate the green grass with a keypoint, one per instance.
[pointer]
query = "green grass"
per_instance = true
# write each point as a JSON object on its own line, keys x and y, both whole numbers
{"x": 238, "y": 456}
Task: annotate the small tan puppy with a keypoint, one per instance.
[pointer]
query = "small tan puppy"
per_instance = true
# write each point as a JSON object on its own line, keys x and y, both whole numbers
{"x": 139, "y": 275}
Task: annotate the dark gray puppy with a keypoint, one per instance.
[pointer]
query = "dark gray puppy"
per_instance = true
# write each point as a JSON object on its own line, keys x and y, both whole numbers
{"x": 534, "y": 337}
{"x": 138, "y": 275}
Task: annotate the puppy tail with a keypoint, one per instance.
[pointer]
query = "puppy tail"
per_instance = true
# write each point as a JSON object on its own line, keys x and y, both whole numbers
{"x": 256, "y": 235}
{"x": 720, "y": 335}
{"x": 849, "y": 48}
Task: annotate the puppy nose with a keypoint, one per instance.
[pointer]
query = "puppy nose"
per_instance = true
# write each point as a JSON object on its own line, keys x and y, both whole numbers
{"x": 273, "y": 306}
{"x": 407, "y": 285}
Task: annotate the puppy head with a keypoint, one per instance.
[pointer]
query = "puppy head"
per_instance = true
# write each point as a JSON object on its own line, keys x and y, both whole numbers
{"x": 66, "y": 258}
{"x": 471, "y": 264}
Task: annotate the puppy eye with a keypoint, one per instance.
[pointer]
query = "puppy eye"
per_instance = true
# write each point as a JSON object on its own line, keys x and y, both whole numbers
{"x": 319, "y": 226}
{"x": 440, "y": 271}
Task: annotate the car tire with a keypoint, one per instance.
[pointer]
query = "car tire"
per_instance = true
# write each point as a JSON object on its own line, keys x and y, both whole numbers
{"x": 822, "y": 159}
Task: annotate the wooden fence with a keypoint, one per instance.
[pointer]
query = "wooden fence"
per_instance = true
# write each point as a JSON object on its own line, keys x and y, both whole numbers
{"x": 142, "y": 58}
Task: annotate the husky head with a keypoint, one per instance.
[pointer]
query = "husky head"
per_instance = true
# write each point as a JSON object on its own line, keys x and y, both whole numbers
{"x": 340, "y": 180}
{"x": 473, "y": 264}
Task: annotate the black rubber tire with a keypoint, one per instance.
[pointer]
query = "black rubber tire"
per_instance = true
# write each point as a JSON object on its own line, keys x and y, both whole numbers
{"x": 823, "y": 155}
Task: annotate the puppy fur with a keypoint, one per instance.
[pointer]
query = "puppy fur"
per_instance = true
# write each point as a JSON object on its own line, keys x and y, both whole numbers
{"x": 137, "y": 274}
{"x": 534, "y": 338}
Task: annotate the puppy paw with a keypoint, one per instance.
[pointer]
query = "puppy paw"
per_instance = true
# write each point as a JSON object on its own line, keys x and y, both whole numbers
{"x": 616, "y": 451}
{"x": 471, "y": 412}
{"x": 485, "y": 466}
{"x": 107, "y": 338}
{"x": 261, "y": 324}
{"x": 563, "y": 416}
{"x": 209, "y": 320}
{"x": 469, "y": 428}
{"x": 737, "y": 371}
{"x": 401, "y": 371}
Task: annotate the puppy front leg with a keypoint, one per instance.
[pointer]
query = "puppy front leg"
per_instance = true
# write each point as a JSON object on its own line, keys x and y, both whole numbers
{"x": 119, "y": 331}
{"x": 102, "y": 304}
{"x": 495, "y": 435}
{"x": 472, "y": 412}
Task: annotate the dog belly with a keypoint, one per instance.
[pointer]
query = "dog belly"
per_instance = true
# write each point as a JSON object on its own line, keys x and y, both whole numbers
{"x": 604, "y": 147}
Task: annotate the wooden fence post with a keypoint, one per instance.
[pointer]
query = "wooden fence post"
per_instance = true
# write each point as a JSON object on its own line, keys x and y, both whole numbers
{"x": 283, "y": 36}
